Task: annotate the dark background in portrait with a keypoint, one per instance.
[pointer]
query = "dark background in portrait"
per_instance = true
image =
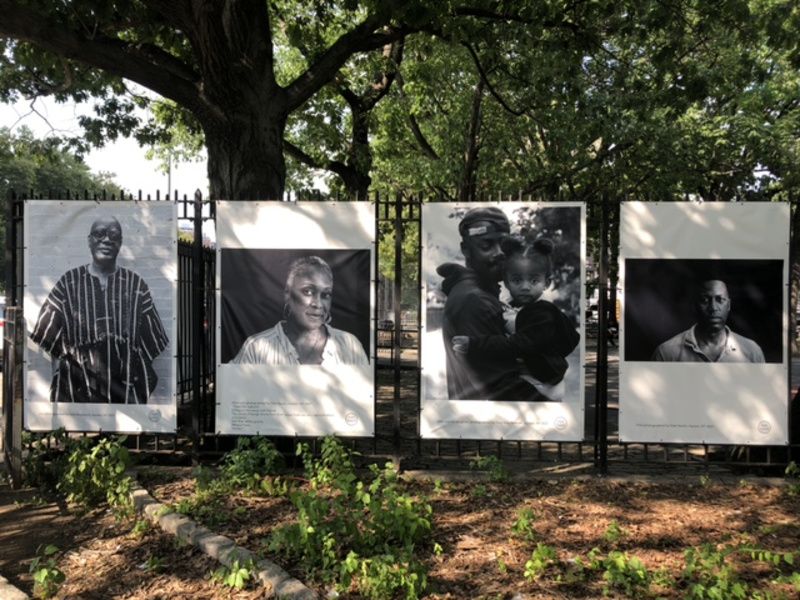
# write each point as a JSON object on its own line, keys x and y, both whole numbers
{"x": 252, "y": 283}
{"x": 660, "y": 301}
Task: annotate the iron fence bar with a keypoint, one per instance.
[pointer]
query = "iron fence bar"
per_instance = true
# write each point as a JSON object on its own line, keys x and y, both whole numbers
{"x": 396, "y": 347}
{"x": 601, "y": 395}
{"x": 196, "y": 334}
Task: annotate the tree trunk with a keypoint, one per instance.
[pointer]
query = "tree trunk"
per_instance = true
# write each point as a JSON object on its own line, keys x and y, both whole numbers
{"x": 245, "y": 156}
{"x": 469, "y": 177}
{"x": 359, "y": 155}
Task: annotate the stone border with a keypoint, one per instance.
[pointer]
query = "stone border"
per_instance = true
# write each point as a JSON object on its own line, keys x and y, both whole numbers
{"x": 279, "y": 583}
{"x": 9, "y": 592}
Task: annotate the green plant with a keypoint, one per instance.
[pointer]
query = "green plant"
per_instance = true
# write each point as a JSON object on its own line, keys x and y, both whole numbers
{"x": 47, "y": 577}
{"x": 705, "y": 480}
{"x": 95, "y": 472}
{"x": 542, "y": 557}
{"x": 492, "y": 465}
{"x": 478, "y": 491}
{"x": 708, "y": 575}
{"x": 350, "y": 531}
{"x": 625, "y": 573}
{"x": 613, "y": 532}
{"x": 236, "y": 576}
{"x": 206, "y": 506}
{"x": 383, "y": 575}
{"x": 793, "y": 475}
{"x": 141, "y": 527}
{"x": 523, "y": 525}
{"x": 154, "y": 564}
{"x": 252, "y": 460}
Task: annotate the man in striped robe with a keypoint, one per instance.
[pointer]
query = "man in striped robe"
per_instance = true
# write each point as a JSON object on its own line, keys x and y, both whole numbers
{"x": 101, "y": 328}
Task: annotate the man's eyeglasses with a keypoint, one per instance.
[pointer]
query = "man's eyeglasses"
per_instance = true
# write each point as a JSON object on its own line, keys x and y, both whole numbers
{"x": 113, "y": 235}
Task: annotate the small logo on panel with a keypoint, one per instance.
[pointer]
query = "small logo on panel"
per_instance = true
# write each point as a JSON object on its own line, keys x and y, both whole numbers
{"x": 154, "y": 416}
{"x": 764, "y": 427}
{"x": 351, "y": 419}
{"x": 560, "y": 423}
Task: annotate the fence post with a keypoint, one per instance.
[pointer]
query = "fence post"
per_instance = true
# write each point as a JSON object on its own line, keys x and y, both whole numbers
{"x": 398, "y": 322}
{"x": 601, "y": 377}
{"x": 197, "y": 322}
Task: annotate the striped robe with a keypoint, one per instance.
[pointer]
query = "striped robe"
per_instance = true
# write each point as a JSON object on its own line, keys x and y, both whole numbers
{"x": 104, "y": 340}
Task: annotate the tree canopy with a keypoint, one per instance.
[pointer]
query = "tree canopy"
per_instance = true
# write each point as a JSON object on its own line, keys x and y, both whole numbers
{"x": 653, "y": 98}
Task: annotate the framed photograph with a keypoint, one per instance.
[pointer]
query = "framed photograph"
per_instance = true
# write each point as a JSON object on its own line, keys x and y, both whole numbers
{"x": 100, "y": 311}
{"x": 296, "y": 318}
{"x": 704, "y": 333}
{"x": 503, "y": 321}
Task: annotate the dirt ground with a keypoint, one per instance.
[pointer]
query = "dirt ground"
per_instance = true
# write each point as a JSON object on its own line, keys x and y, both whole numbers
{"x": 481, "y": 558}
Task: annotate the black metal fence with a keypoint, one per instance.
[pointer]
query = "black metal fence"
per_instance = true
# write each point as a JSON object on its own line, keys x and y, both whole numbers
{"x": 398, "y": 369}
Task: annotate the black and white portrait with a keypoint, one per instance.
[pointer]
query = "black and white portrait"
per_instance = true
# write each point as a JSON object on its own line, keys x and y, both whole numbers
{"x": 704, "y": 310}
{"x": 100, "y": 309}
{"x": 503, "y": 318}
{"x": 284, "y": 307}
{"x": 295, "y": 315}
{"x": 704, "y": 326}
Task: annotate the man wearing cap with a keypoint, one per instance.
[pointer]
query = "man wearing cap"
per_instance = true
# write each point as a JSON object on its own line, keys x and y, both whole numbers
{"x": 473, "y": 309}
{"x": 710, "y": 339}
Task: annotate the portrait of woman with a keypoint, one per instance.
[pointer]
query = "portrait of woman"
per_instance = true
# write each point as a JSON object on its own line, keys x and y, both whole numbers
{"x": 304, "y": 335}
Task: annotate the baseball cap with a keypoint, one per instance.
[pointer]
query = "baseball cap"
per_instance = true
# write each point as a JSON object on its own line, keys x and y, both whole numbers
{"x": 483, "y": 220}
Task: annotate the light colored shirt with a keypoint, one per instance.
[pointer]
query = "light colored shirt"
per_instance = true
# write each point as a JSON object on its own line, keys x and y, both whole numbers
{"x": 273, "y": 347}
{"x": 684, "y": 348}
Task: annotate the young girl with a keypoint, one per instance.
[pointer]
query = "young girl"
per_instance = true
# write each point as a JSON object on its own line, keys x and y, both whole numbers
{"x": 540, "y": 335}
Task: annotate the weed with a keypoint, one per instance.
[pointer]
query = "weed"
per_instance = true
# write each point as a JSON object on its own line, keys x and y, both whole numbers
{"x": 95, "y": 472}
{"x": 251, "y": 460}
{"x": 141, "y": 527}
{"x": 355, "y": 532}
{"x": 625, "y": 573}
{"x": 708, "y": 575}
{"x": 793, "y": 475}
{"x": 542, "y": 557}
{"x": 479, "y": 490}
{"x": 502, "y": 567}
{"x": 523, "y": 526}
{"x": 207, "y": 507}
{"x": 153, "y": 564}
{"x": 613, "y": 533}
{"x": 705, "y": 480}
{"x": 236, "y": 576}
{"x": 47, "y": 577}
{"x": 492, "y": 465}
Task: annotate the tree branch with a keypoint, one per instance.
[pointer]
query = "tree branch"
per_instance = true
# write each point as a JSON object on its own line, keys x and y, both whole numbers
{"x": 334, "y": 166}
{"x": 424, "y": 145}
{"x": 485, "y": 79}
{"x": 363, "y": 37}
{"x": 109, "y": 54}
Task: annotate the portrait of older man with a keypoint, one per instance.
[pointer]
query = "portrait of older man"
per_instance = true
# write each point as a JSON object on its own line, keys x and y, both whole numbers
{"x": 710, "y": 339}
{"x": 101, "y": 328}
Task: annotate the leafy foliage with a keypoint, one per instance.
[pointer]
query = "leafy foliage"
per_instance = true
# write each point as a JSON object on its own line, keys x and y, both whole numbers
{"x": 354, "y": 532}
{"x": 237, "y": 576}
{"x": 47, "y": 577}
{"x": 252, "y": 460}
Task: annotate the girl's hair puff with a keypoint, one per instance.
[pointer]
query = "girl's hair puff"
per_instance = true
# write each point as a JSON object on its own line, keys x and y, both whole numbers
{"x": 541, "y": 250}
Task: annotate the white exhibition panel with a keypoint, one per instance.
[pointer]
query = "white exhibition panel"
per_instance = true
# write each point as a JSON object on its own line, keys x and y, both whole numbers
{"x": 701, "y": 402}
{"x": 442, "y": 417}
{"x": 260, "y": 399}
{"x": 55, "y": 237}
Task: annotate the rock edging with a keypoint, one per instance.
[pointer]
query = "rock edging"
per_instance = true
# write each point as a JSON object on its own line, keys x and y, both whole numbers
{"x": 9, "y": 592}
{"x": 223, "y": 549}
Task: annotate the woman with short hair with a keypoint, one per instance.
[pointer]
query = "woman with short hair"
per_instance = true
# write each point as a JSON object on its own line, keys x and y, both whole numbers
{"x": 304, "y": 336}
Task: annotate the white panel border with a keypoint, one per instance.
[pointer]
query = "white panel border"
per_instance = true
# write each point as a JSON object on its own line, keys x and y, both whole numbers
{"x": 305, "y": 399}
{"x": 159, "y": 415}
{"x": 704, "y": 403}
{"x": 488, "y": 419}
